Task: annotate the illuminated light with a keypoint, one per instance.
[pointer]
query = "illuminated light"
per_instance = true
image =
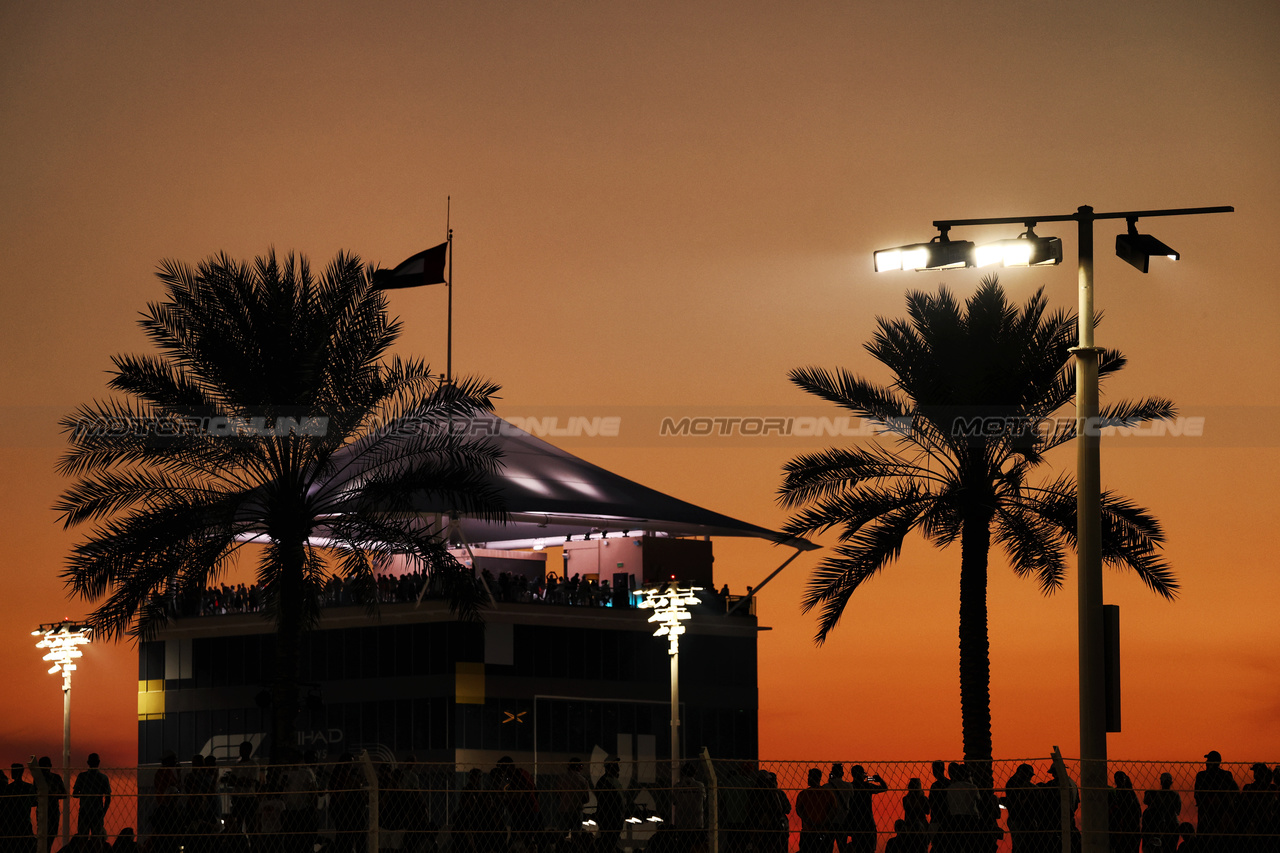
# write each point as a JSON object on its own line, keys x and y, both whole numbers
{"x": 938, "y": 254}
{"x": 1137, "y": 250}
{"x": 915, "y": 259}
{"x": 62, "y": 640}
{"x": 1025, "y": 250}
{"x": 888, "y": 259}
{"x": 670, "y": 606}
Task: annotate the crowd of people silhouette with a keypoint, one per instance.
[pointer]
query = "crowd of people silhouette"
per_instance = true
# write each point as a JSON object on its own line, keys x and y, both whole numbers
{"x": 307, "y": 806}
{"x": 21, "y": 830}
{"x": 507, "y": 587}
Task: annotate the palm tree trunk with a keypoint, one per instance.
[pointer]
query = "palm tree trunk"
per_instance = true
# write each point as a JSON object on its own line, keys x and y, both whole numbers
{"x": 289, "y": 627}
{"x": 975, "y": 663}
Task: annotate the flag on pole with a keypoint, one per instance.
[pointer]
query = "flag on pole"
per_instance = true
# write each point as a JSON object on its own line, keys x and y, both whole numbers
{"x": 423, "y": 268}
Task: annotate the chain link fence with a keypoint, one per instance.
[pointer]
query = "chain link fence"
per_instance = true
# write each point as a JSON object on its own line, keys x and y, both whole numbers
{"x": 599, "y": 806}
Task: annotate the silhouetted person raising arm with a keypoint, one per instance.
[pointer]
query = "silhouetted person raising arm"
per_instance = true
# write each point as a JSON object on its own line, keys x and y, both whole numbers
{"x": 861, "y": 819}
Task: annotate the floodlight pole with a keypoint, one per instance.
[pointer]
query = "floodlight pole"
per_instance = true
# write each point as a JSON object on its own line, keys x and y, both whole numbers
{"x": 675, "y": 724}
{"x": 670, "y": 604}
{"x": 63, "y": 639}
{"x": 66, "y": 760}
{"x": 1092, "y": 652}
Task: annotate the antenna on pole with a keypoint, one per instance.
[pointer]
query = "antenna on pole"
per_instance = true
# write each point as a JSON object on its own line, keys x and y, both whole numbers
{"x": 448, "y": 363}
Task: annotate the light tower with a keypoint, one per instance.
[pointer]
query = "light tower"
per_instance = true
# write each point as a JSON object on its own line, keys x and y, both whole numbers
{"x": 670, "y": 604}
{"x": 63, "y": 640}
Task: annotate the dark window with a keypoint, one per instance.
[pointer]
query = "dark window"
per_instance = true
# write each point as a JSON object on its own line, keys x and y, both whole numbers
{"x": 151, "y": 660}
{"x": 335, "y": 656}
{"x": 592, "y": 656}
{"x": 440, "y": 723}
{"x": 350, "y": 648}
{"x": 150, "y": 741}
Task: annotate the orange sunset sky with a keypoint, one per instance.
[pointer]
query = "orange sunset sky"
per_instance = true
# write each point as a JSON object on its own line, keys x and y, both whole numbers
{"x": 662, "y": 207}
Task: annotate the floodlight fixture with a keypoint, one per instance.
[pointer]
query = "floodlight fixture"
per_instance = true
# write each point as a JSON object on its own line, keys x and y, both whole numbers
{"x": 940, "y": 253}
{"x": 62, "y": 640}
{"x": 1025, "y": 250}
{"x": 1137, "y": 250}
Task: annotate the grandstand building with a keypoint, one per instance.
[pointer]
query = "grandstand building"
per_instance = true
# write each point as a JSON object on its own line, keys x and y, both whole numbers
{"x": 555, "y": 671}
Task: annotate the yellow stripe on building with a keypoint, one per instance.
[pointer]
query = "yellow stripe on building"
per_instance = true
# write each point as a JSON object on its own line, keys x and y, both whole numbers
{"x": 151, "y": 699}
{"x": 469, "y": 684}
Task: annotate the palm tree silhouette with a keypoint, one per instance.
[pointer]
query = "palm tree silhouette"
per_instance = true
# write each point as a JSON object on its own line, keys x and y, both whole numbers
{"x": 271, "y": 415}
{"x": 973, "y": 409}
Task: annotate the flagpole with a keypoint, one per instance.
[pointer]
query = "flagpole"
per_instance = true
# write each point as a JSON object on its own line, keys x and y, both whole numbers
{"x": 448, "y": 364}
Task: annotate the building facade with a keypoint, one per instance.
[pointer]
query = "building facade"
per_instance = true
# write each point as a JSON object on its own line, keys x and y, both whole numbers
{"x": 539, "y": 680}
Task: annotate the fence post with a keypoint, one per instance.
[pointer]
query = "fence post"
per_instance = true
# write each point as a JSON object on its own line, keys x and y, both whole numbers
{"x": 1064, "y": 800}
{"x": 371, "y": 778}
{"x": 713, "y": 803}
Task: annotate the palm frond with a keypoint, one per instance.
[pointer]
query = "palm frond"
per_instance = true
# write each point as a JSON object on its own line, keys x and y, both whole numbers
{"x": 828, "y": 472}
{"x": 836, "y": 579}
{"x": 852, "y": 510}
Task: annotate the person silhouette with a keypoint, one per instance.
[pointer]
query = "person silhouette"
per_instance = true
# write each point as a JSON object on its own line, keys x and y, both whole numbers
{"x": 915, "y": 817}
{"x": 57, "y": 794}
{"x": 815, "y": 806}
{"x": 609, "y": 805}
{"x": 1021, "y": 816}
{"x": 688, "y": 809}
{"x": 1215, "y": 790}
{"x": 900, "y": 842}
{"x": 1161, "y": 817}
{"x": 93, "y": 790}
{"x": 938, "y": 813}
{"x": 1256, "y": 815}
{"x": 840, "y": 823}
{"x": 1191, "y": 841}
{"x": 125, "y": 842}
{"x": 19, "y": 799}
{"x": 962, "y": 810}
{"x": 861, "y": 821}
{"x": 1124, "y": 815}
{"x": 245, "y": 779}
